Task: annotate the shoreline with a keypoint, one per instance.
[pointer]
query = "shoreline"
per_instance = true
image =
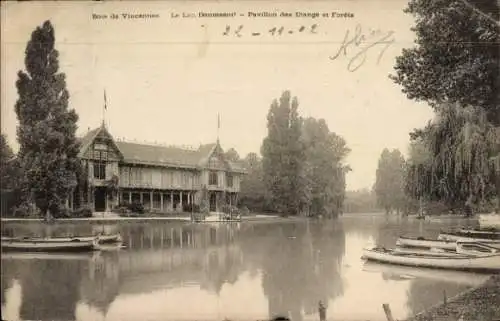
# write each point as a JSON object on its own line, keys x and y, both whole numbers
{"x": 117, "y": 219}
{"x": 477, "y": 303}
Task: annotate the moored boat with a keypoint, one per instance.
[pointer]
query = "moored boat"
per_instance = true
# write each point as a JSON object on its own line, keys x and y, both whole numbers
{"x": 425, "y": 243}
{"x": 476, "y": 249}
{"x": 111, "y": 238}
{"x": 429, "y": 252}
{"x": 57, "y": 256}
{"x": 485, "y": 263}
{"x": 461, "y": 277}
{"x": 456, "y": 236}
{"x": 35, "y": 246}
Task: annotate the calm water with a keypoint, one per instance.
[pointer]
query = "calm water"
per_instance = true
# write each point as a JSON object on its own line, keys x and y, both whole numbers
{"x": 246, "y": 271}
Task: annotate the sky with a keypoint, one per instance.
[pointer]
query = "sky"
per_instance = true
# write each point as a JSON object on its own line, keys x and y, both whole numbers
{"x": 167, "y": 76}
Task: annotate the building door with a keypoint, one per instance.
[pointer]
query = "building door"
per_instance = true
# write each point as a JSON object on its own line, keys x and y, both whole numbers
{"x": 100, "y": 199}
{"x": 213, "y": 202}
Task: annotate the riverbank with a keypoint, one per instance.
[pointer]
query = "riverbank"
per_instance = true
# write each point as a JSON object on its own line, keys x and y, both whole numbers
{"x": 112, "y": 219}
{"x": 480, "y": 303}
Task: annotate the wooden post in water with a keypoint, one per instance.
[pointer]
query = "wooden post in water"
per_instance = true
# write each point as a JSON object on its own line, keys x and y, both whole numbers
{"x": 321, "y": 311}
{"x": 444, "y": 297}
{"x": 388, "y": 313}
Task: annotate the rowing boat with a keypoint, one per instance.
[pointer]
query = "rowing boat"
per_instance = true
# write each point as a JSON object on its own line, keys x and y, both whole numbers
{"x": 476, "y": 249}
{"x": 493, "y": 240}
{"x": 430, "y": 252}
{"x": 35, "y": 246}
{"x": 453, "y": 262}
{"x": 461, "y": 277}
{"x": 425, "y": 243}
{"x": 487, "y": 235}
{"x": 100, "y": 238}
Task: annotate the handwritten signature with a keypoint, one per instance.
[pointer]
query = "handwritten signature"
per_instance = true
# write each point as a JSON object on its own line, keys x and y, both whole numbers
{"x": 361, "y": 42}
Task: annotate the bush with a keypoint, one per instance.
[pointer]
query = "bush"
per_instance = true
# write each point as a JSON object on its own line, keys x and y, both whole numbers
{"x": 84, "y": 211}
{"x": 22, "y": 210}
{"x": 230, "y": 209}
{"x": 135, "y": 207}
{"x": 188, "y": 208}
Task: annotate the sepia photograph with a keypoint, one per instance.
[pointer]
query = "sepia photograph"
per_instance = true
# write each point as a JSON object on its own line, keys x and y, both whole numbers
{"x": 223, "y": 160}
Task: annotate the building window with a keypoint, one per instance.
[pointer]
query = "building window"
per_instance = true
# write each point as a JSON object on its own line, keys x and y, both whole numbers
{"x": 212, "y": 178}
{"x": 99, "y": 170}
{"x": 229, "y": 180}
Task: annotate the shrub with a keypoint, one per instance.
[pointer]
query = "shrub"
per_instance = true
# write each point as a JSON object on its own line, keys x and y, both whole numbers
{"x": 84, "y": 211}
{"x": 230, "y": 209}
{"x": 188, "y": 208}
{"x": 22, "y": 210}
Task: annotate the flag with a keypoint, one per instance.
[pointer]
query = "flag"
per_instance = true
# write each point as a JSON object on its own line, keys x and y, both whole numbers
{"x": 105, "y": 100}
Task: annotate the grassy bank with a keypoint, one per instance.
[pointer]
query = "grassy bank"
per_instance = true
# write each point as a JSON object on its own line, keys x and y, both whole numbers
{"x": 477, "y": 304}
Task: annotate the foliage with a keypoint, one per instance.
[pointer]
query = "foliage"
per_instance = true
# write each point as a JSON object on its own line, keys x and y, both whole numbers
{"x": 360, "y": 201}
{"x": 252, "y": 188}
{"x": 325, "y": 172}
{"x": 389, "y": 181}
{"x": 232, "y": 155}
{"x": 134, "y": 207}
{"x": 10, "y": 175}
{"x": 46, "y": 131}
{"x": 188, "y": 208}
{"x": 454, "y": 67}
{"x": 205, "y": 203}
{"x": 456, "y": 57}
{"x": 284, "y": 157}
{"x": 230, "y": 209}
{"x": 84, "y": 211}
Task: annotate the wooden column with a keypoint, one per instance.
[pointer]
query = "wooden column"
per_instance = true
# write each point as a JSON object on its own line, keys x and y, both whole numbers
{"x": 130, "y": 197}
{"x": 180, "y": 198}
{"x": 189, "y": 198}
{"x": 142, "y": 197}
{"x": 161, "y": 201}
{"x": 172, "y": 199}
{"x": 151, "y": 204}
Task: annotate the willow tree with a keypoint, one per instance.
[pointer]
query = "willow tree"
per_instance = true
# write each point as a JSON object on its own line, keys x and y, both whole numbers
{"x": 46, "y": 131}
{"x": 454, "y": 68}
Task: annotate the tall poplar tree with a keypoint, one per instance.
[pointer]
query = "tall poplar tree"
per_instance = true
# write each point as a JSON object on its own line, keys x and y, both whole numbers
{"x": 46, "y": 130}
{"x": 283, "y": 156}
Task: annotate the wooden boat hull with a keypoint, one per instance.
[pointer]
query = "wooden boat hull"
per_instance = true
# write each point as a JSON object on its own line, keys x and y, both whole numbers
{"x": 441, "y": 253}
{"x": 57, "y": 256}
{"x": 100, "y": 238}
{"x": 460, "y": 237}
{"x": 33, "y": 246}
{"x": 426, "y": 243}
{"x": 461, "y": 277}
{"x": 490, "y": 263}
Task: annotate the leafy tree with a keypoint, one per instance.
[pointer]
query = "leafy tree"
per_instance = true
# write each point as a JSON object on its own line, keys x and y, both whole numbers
{"x": 389, "y": 186}
{"x": 252, "y": 189}
{"x": 232, "y": 155}
{"x": 456, "y": 57}
{"x": 46, "y": 131}
{"x": 325, "y": 152}
{"x": 7, "y": 165}
{"x": 454, "y": 67}
{"x": 284, "y": 157}
{"x": 360, "y": 201}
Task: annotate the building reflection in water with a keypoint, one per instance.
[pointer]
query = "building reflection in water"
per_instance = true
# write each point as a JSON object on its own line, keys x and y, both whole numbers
{"x": 299, "y": 264}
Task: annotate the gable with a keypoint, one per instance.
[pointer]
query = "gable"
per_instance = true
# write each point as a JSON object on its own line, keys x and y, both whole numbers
{"x": 100, "y": 145}
{"x": 216, "y": 159}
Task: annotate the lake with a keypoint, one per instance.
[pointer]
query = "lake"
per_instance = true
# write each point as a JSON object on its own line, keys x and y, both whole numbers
{"x": 242, "y": 271}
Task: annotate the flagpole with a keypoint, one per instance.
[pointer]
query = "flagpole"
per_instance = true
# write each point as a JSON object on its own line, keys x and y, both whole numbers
{"x": 218, "y": 126}
{"x": 105, "y": 107}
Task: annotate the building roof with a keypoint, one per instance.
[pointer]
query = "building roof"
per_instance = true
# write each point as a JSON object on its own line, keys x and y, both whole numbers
{"x": 157, "y": 155}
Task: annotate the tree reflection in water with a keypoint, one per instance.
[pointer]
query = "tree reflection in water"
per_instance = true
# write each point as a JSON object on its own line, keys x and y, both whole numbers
{"x": 300, "y": 265}
{"x": 48, "y": 287}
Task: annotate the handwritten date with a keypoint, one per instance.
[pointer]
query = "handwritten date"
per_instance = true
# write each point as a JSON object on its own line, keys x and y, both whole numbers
{"x": 275, "y": 31}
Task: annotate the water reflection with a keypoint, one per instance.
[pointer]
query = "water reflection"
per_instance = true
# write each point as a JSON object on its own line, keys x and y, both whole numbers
{"x": 241, "y": 271}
